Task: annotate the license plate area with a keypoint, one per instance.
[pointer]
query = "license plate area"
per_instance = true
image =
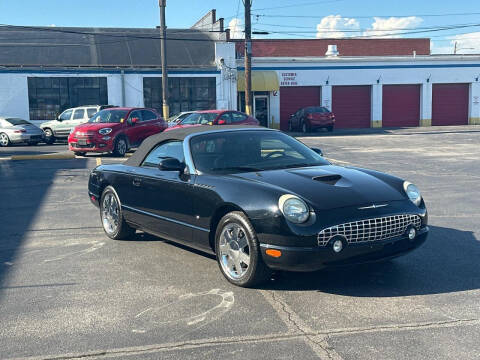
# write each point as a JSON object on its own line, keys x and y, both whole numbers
{"x": 82, "y": 142}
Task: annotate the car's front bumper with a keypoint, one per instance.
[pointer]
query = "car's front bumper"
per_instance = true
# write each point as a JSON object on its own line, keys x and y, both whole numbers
{"x": 315, "y": 258}
{"x": 91, "y": 145}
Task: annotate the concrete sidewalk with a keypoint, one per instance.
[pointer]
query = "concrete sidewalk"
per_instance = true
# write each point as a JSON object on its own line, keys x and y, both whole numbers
{"x": 391, "y": 131}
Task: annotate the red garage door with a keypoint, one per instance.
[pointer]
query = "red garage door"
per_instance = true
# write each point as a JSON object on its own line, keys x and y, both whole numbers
{"x": 450, "y": 104}
{"x": 351, "y": 106}
{"x": 293, "y": 98}
{"x": 401, "y": 105}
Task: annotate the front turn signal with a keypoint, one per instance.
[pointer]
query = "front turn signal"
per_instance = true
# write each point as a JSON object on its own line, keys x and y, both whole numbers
{"x": 273, "y": 253}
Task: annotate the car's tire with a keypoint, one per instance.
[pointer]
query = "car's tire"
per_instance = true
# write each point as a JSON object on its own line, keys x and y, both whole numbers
{"x": 49, "y": 137}
{"x": 304, "y": 127}
{"x": 330, "y": 128}
{"x": 79, "y": 153}
{"x": 242, "y": 248}
{"x": 111, "y": 216}
{"x": 120, "y": 146}
{"x": 4, "y": 140}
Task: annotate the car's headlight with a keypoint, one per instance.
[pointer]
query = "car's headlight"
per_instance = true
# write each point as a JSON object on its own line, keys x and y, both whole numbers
{"x": 293, "y": 208}
{"x": 412, "y": 192}
{"x": 105, "y": 131}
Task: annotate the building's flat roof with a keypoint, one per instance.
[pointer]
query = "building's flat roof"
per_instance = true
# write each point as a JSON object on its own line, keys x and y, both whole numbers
{"x": 30, "y": 46}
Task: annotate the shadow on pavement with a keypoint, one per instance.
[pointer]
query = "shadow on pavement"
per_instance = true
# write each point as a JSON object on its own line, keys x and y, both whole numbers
{"x": 447, "y": 262}
{"x": 23, "y": 188}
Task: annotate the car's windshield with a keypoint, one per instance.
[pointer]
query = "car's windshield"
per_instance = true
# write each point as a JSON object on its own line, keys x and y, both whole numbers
{"x": 199, "y": 118}
{"x": 243, "y": 151}
{"x": 109, "y": 116}
{"x": 316, "y": 109}
{"x": 15, "y": 121}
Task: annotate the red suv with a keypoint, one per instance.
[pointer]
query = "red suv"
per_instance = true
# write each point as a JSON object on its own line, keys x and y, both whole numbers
{"x": 115, "y": 130}
{"x": 311, "y": 118}
{"x": 216, "y": 117}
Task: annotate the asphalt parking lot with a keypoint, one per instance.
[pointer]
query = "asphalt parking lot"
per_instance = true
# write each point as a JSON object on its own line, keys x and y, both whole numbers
{"x": 67, "y": 291}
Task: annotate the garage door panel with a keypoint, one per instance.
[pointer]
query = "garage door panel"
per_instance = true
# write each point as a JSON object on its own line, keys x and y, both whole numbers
{"x": 293, "y": 98}
{"x": 450, "y": 104}
{"x": 351, "y": 106}
{"x": 400, "y": 105}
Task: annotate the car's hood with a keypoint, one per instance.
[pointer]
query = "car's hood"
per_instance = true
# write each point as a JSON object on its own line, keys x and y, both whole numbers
{"x": 328, "y": 187}
{"x": 179, "y": 126}
{"x": 95, "y": 126}
{"x": 49, "y": 123}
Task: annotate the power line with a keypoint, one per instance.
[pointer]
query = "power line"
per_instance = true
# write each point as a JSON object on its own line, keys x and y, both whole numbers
{"x": 370, "y": 16}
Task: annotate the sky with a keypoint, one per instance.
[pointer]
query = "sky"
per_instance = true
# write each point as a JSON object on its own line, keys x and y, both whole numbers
{"x": 445, "y": 22}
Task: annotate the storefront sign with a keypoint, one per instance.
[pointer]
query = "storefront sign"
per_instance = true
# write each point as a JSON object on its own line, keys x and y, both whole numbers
{"x": 289, "y": 79}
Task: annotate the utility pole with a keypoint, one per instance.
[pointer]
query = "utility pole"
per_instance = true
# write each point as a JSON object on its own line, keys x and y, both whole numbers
{"x": 455, "y": 49}
{"x": 248, "y": 57}
{"x": 163, "y": 54}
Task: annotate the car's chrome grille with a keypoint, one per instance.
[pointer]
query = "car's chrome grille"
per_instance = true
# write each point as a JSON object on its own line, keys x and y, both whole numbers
{"x": 375, "y": 229}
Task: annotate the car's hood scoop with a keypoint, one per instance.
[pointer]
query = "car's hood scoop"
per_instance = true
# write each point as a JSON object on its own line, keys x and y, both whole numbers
{"x": 328, "y": 179}
{"x": 328, "y": 186}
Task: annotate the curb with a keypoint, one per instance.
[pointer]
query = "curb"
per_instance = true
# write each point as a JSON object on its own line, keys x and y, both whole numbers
{"x": 53, "y": 156}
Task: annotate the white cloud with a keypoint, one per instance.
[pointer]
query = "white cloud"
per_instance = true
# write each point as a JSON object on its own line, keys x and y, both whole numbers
{"x": 332, "y": 26}
{"x": 236, "y": 29}
{"x": 392, "y": 27}
{"x": 53, "y": 25}
{"x": 466, "y": 44}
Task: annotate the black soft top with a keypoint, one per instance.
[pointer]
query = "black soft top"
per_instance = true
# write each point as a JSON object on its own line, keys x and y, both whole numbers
{"x": 178, "y": 134}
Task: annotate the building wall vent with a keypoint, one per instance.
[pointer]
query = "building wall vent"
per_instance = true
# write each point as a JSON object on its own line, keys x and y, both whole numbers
{"x": 332, "y": 51}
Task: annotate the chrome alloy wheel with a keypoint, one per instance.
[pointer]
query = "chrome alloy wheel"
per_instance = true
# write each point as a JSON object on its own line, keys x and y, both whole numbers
{"x": 121, "y": 147}
{"x": 234, "y": 251}
{"x": 4, "y": 140}
{"x": 110, "y": 213}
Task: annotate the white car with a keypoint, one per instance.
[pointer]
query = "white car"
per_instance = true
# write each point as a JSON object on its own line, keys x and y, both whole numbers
{"x": 14, "y": 130}
{"x": 64, "y": 123}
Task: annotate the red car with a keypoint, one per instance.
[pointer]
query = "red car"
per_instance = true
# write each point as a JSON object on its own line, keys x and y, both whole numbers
{"x": 310, "y": 118}
{"x": 115, "y": 130}
{"x": 216, "y": 117}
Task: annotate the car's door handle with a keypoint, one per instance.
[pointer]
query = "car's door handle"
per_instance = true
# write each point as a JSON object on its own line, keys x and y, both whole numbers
{"x": 136, "y": 182}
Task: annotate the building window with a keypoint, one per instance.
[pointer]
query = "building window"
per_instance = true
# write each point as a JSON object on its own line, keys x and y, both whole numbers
{"x": 185, "y": 94}
{"x": 49, "y": 96}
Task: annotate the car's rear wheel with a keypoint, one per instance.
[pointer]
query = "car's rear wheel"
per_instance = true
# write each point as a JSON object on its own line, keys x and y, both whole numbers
{"x": 330, "y": 128}
{"x": 4, "y": 139}
{"x": 120, "y": 147}
{"x": 49, "y": 137}
{"x": 238, "y": 251}
{"x": 111, "y": 215}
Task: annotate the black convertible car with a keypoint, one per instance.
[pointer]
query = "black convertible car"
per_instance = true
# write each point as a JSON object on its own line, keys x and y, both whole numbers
{"x": 260, "y": 200}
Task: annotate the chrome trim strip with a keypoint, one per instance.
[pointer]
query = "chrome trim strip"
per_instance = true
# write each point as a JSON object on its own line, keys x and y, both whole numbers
{"x": 373, "y": 206}
{"x": 164, "y": 218}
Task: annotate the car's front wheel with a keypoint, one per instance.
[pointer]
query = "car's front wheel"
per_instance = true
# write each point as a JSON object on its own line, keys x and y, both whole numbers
{"x": 238, "y": 251}
{"x": 111, "y": 215}
{"x": 4, "y": 139}
{"x": 120, "y": 147}
{"x": 305, "y": 127}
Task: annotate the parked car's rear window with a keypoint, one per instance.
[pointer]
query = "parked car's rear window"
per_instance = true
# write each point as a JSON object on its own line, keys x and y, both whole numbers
{"x": 316, "y": 109}
{"x": 199, "y": 118}
{"x": 15, "y": 121}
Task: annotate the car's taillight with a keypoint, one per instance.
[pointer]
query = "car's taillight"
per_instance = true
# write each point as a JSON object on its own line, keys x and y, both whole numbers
{"x": 20, "y": 131}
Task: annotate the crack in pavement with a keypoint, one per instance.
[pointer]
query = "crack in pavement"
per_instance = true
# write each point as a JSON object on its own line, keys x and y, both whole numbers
{"x": 300, "y": 335}
{"x": 317, "y": 342}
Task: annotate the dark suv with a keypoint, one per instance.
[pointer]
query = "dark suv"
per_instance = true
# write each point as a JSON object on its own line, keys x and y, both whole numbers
{"x": 310, "y": 118}
{"x": 115, "y": 130}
